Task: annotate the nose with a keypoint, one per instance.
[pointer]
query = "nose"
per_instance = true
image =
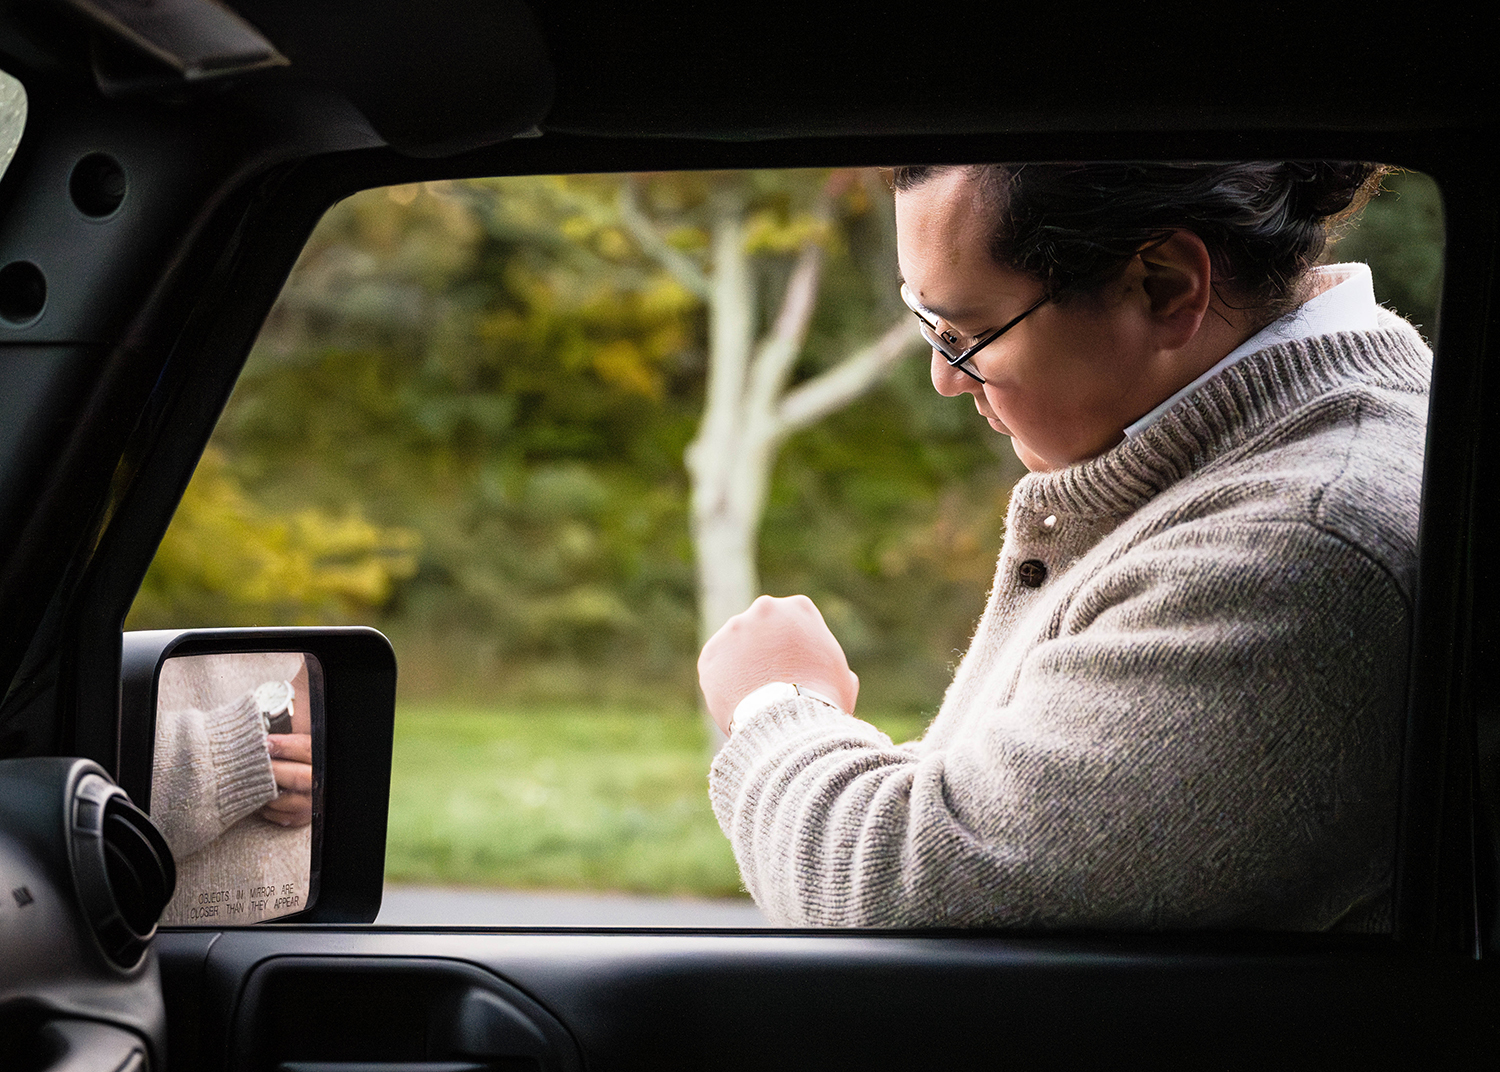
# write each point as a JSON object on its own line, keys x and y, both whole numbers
{"x": 949, "y": 381}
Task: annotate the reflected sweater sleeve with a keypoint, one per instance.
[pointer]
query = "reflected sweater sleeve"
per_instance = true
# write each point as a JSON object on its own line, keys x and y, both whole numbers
{"x": 210, "y": 770}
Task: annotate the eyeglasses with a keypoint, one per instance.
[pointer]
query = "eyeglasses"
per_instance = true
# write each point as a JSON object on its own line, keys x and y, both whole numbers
{"x": 947, "y": 342}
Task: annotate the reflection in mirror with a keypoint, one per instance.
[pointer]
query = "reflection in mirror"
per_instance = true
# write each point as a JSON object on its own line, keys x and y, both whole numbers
{"x": 233, "y": 785}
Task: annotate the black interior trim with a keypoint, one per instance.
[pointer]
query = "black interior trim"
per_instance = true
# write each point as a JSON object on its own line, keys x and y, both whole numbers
{"x": 850, "y": 999}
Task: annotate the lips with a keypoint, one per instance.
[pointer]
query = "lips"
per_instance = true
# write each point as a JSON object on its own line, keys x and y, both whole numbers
{"x": 993, "y": 420}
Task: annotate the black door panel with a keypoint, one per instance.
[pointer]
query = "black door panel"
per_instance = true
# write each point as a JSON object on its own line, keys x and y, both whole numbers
{"x": 396, "y": 1014}
{"x": 701, "y": 1000}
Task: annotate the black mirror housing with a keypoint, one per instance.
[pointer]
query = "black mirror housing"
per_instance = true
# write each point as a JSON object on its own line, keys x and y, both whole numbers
{"x": 358, "y": 670}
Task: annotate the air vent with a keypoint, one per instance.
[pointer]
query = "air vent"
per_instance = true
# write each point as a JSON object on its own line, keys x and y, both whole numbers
{"x": 138, "y": 865}
{"x": 123, "y": 867}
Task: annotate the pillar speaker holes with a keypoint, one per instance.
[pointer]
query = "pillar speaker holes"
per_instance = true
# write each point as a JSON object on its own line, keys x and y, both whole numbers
{"x": 23, "y": 292}
{"x": 97, "y": 185}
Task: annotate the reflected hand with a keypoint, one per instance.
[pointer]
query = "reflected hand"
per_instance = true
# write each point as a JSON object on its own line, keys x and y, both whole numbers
{"x": 774, "y": 640}
{"x": 291, "y": 763}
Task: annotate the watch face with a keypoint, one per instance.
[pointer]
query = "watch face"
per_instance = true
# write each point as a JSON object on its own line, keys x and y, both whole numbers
{"x": 273, "y": 695}
{"x": 274, "y": 698}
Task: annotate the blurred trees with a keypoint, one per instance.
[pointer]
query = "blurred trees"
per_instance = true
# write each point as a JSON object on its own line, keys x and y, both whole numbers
{"x": 230, "y": 561}
{"x": 466, "y": 422}
{"x": 744, "y": 229}
{"x": 487, "y": 371}
{"x": 501, "y": 378}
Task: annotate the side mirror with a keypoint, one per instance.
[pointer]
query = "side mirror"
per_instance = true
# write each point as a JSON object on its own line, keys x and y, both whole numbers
{"x": 298, "y": 837}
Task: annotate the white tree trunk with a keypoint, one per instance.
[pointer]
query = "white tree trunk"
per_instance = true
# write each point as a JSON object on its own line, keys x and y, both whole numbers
{"x": 748, "y": 410}
{"x": 728, "y": 490}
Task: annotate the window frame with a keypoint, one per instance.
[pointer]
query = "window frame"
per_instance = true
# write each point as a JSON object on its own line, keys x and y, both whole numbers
{"x": 1438, "y": 851}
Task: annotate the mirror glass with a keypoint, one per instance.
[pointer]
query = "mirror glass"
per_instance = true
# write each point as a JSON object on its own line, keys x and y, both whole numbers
{"x": 234, "y": 786}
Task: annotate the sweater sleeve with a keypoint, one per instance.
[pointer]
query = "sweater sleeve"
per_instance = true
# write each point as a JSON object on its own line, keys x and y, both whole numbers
{"x": 1204, "y": 732}
{"x": 210, "y": 770}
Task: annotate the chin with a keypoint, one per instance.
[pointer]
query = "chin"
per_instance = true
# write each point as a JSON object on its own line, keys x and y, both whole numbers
{"x": 1035, "y": 463}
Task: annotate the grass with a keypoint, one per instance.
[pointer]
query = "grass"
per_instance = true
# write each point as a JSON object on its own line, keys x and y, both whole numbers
{"x": 560, "y": 798}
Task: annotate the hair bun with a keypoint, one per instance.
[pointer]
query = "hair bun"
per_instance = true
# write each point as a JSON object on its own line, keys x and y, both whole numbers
{"x": 1324, "y": 188}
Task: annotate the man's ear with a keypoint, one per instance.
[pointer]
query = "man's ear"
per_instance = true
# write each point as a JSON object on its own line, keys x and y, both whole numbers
{"x": 1178, "y": 282}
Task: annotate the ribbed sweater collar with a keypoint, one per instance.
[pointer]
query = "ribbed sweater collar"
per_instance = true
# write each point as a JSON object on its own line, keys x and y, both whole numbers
{"x": 1241, "y": 402}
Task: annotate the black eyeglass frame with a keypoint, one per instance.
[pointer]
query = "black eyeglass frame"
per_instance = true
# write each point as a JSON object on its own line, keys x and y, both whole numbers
{"x": 963, "y": 359}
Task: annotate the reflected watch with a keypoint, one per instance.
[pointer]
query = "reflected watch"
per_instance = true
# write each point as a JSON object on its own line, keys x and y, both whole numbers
{"x": 274, "y": 699}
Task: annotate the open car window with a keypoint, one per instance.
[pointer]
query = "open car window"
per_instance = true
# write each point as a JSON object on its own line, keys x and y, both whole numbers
{"x": 549, "y": 433}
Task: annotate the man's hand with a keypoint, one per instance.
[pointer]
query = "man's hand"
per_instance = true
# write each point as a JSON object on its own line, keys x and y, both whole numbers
{"x": 291, "y": 763}
{"x": 775, "y": 640}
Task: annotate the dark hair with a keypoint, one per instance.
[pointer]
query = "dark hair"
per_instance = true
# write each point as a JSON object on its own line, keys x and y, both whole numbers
{"x": 1075, "y": 226}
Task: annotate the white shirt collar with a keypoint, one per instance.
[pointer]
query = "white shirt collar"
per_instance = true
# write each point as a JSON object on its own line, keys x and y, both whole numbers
{"x": 1348, "y": 305}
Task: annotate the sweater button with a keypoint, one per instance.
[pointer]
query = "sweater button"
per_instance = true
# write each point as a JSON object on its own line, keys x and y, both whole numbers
{"x": 1031, "y": 573}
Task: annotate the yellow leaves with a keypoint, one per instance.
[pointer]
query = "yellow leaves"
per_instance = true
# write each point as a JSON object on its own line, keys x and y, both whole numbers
{"x": 313, "y": 556}
{"x": 228, "y": 560}
{"x": 687, "y": 238}
{"x": 778, "y": 226}
{"x": 612, "y": 244}
{"x": 665, "y": 297}
{"x": 427, "y": 228}
{"x": 624, "y": 336}
{"x": 578, "y": 228}
{"x": 769, "y": 231}
{"x": 654, "y": 316}
{"x": 624, "y": 365}
{"x": 583, "y": 285}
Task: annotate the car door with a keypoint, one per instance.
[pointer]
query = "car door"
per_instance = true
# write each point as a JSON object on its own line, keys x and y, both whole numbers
{"x": 161, "y": 200}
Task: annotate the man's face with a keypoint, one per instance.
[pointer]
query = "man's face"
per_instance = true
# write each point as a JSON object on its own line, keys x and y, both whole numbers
{"x": 1065, "y": 382}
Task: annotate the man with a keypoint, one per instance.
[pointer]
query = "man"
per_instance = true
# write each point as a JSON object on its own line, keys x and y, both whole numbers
{"x": 1182, "y": 706}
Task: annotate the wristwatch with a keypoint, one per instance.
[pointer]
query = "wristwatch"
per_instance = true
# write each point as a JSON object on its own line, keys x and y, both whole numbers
{"x": 769, "y": 694}
{"x": 274, "y": 699}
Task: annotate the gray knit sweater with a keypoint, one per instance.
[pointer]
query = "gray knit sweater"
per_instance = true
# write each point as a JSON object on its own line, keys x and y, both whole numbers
{"x": 1192, "y": 720}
